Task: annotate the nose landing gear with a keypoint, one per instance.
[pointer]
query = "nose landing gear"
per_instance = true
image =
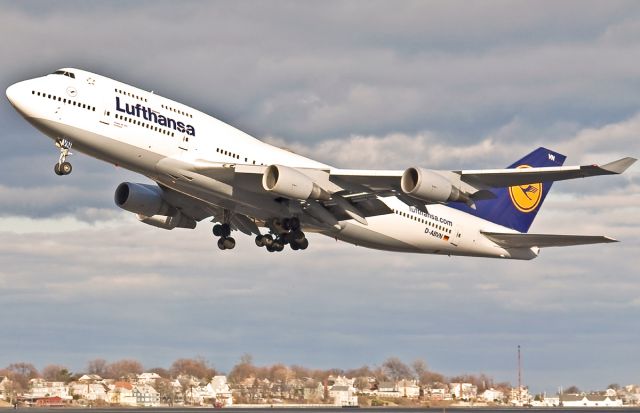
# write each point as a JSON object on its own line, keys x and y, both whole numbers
{"x": 63, "y": 167}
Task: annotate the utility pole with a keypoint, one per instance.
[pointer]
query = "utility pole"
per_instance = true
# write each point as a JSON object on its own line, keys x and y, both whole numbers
{"x": 519, "y": 376}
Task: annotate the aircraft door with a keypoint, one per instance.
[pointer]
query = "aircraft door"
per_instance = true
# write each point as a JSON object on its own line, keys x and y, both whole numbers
{"x": 186, "y": 145}
{"x": 104, "y": 116}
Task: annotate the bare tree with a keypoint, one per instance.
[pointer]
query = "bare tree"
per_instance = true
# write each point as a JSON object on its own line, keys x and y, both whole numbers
{"x": 572, "y": 390}
{"x": 419, "y": 367}
{"x": 21, "y": 373}
{"x": 54, "y": 372}
{"x": 97, "y": 366}
{"x": 243, "y": 370}
{"x": 363, "y": 371}
{"x": 124, "y": 368}
{"x": 166, "y": 391}
{"x": 395, "y": 369}
{"x": 197, "y": 367}
{"x": 279, "y": 373}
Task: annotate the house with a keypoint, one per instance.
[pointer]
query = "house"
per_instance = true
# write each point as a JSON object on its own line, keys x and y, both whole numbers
{"x": 464, "y": 391}
{"x": 50, "y": 402}
{"x": 146, "y": 395}
{"x": 408, "y": 389}
{"x": 550, "y": 401}
{"x": 589, "y": 400}
{"x": 343, "y": 395}
{"x": 387, "y": 389}
{"x": 89, "y": 391}
{"x": 90, "y": 378}
{"x": 520, "y": 396}
{"x": 148, "y": 378}
{"x": 121, "y": 392}
{"x": 221, "y": 391}
{"x": 39, "y": 388}
{"x": 312, "y": 390}
{"x": 5, "y": 383}
{"x": 440, "y": 392}
{"x": 492, "y": 395}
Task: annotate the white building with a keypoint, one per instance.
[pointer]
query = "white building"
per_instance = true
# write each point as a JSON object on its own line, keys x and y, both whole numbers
{"x": 343, "y": 395}
{"x": 90, "y": 378}
{"x": 4, "y": 384}
{"x": 387, "y": 389}
{"x": 221, "y": 391}
{"x": 408, "y": 389}
{"x": 121, "y": 393}
{"x": 465, "y": 391}
{"x": 589, "y": 400}
{"x": 146, "y": 395}
{"x": 148, "y": 378}
{"x": 89, "y": 391}
{"x": 492, "y": 395}
{"x": 39, "y": 388}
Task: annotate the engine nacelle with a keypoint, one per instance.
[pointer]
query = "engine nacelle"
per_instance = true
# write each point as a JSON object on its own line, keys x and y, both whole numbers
{"x": 141, "y": 199}
{"x": 291, "y": 183}
{"x": 428, "y": 186}
{"x": 168, "y": 222}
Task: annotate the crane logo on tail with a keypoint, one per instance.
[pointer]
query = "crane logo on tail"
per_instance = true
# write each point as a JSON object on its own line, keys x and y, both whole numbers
{"x": 527, "y": 197}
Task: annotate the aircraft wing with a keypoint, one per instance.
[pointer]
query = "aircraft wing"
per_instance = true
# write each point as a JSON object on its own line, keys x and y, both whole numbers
{"x": 352, "y": 193}
{"x": 381, "y": 180}
{"x": 517, "y": 240}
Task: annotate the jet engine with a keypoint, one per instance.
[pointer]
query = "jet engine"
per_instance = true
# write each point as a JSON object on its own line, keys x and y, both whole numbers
{"x": 429, "y": 186}
{"x": 141, "y": 199}
{"x": 168, "y": 222}
{"x": 291, "y": 183}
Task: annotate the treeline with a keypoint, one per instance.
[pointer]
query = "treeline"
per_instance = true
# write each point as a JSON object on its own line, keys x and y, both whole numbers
{"x": 392, "y": 369}
{"x": 21, "y": 373}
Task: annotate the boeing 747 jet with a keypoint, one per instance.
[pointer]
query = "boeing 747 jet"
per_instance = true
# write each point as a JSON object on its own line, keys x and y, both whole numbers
{"x": 204, "y": 168}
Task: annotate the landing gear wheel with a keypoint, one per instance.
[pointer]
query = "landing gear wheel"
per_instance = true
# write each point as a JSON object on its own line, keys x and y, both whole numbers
{"x": 297, "y": 236}
{"x": 226, "y": 230}
{"x": 294, "y": 246}
{"x": 221, "y": 244}
{"x": 56, "y": 169}
{"x": 229, "y": 243}
{"x": 260, "y": 241}
{"x": 65, "y": 168}
{"x": 303, "y": 244}
{"x": 267, "y": 240}
{"x": 217, "y": 230}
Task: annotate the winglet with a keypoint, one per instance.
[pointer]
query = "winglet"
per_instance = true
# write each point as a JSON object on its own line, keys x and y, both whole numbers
{"x": 619, "y": 166}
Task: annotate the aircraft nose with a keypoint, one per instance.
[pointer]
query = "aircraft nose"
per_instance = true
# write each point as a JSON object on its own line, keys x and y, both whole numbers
{"x": 12, "y": 92}
{"x": 15, "y": 94}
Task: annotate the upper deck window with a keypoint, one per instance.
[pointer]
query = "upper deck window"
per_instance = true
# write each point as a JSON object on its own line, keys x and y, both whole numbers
{"x": 65, "y": 73}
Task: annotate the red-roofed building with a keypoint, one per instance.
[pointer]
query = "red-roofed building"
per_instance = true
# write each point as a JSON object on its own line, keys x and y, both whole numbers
{"x": 50, "y": 402}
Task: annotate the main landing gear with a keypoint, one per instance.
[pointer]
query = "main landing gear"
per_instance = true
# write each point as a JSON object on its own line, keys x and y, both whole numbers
{"x": 63, "y": 167}
{"x": 225, "y": 242}
{"x": 288, "y": 232}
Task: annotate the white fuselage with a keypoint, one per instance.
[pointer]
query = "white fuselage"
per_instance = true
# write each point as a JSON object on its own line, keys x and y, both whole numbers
{"x": 147, "y": 133}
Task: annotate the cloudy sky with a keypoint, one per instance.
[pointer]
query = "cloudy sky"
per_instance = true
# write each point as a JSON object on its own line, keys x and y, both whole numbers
{"x": 355, "y": 84}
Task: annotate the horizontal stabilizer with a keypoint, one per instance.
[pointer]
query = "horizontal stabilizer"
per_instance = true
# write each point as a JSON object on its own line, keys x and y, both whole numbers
{"x": 516, "y": 240}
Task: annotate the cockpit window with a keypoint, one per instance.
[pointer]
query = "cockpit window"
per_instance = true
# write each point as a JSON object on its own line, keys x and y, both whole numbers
{"x": 65, "y": 73}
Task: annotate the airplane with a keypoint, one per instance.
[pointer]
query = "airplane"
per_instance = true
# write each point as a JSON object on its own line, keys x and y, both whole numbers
{"x": 204, "y": 168}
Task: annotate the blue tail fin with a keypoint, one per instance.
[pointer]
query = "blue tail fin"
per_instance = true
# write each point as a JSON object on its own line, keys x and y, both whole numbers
{"x": 516, "y": 207}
